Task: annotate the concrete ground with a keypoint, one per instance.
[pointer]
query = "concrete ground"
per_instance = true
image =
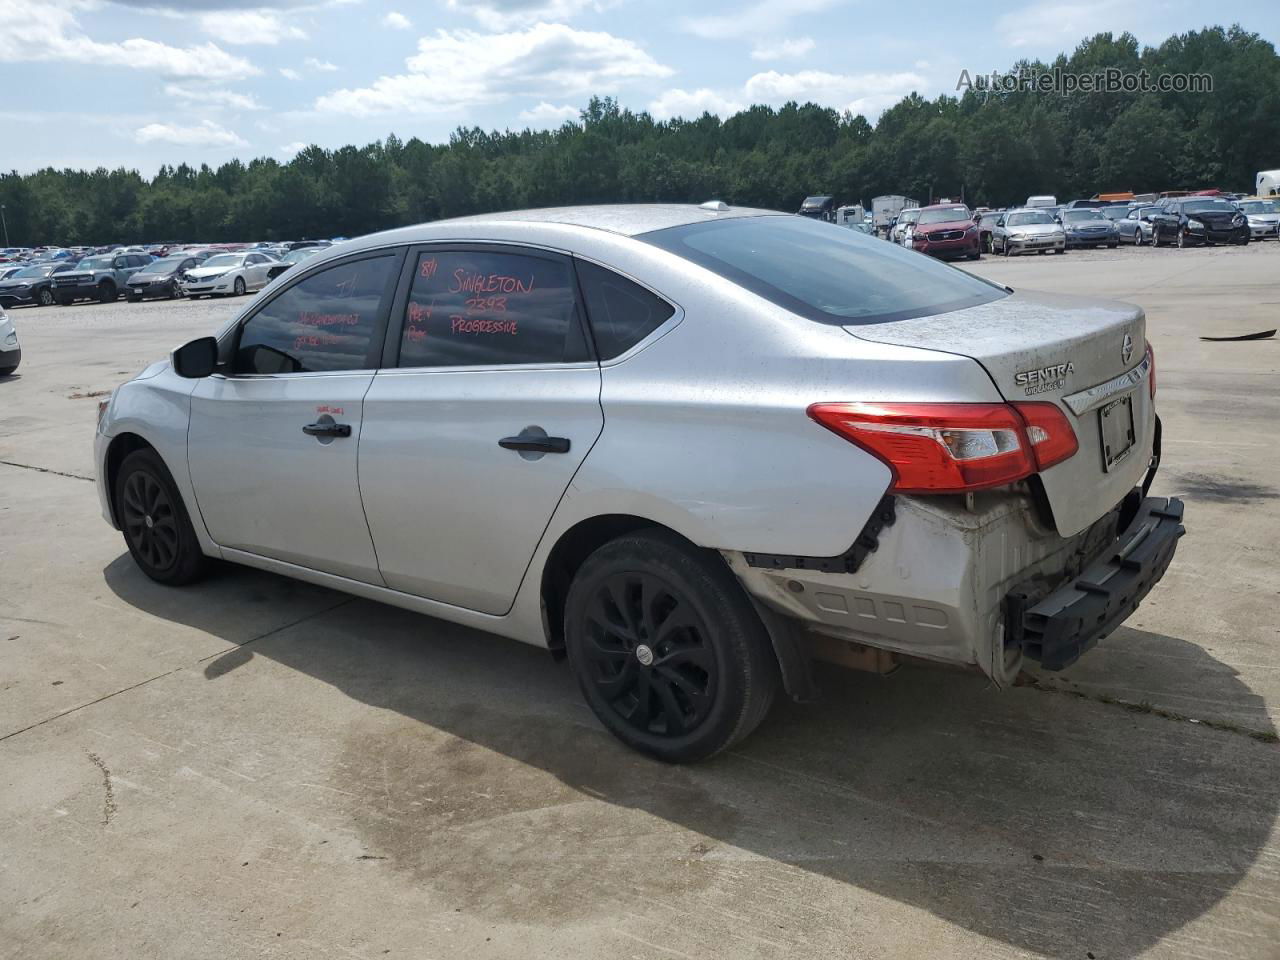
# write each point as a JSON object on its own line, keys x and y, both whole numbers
{"x": 254, "y": 767}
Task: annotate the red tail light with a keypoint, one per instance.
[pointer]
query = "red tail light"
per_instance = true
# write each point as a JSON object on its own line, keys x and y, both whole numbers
{"x": 1151, "y": 375}
{"x": 953, "y": 447}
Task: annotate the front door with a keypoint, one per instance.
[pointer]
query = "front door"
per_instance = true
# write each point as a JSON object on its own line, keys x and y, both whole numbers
{"x": 476, "y": 426}
{"x": 273, "y": 440}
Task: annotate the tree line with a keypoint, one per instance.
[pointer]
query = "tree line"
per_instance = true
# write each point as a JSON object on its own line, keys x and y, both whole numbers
{"x": 991, "y": 148}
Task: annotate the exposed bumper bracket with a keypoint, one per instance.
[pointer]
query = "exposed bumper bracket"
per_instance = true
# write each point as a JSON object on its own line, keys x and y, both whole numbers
{"x": 1056, "y": 629}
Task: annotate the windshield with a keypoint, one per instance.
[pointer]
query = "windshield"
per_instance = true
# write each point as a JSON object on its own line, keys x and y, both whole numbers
{"x": 1258, "y": 206}
{"x": 909, "y": 216}
{"x": 161, "y": 266}
{"x": 949, "y": 215}
{"x": 224, "y": 260}
{"x": 294, "y": 256}
{"x": 96, "y": 263}
{"x": 1208, "y": 206}
{"x": 1081, "y": 216}
{"x": 1030, "y": 218}
{"x": 41, "y": 271}
{"x": 1115, "y": 213}
{"x": 824, "y": 272}
{"x": 814, "y": 201}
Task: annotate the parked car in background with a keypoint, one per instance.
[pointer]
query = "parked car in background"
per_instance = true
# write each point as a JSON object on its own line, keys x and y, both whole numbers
{"x": 906, "y": 221}
{"x": 946, "y": 231}
{"x": 299, "y": 244}
{"x": 1043, "y": 200}
{"x": 1263, "y": 217}
{"x": 32, "y": 284}
{"x": 1087, "y": 227}
{"x": 227, "y": 274}
{"x": 160, "y": 278}
{"x": 1027, "y": 230}
{"x": 97, "y": 278}
{"x": 874, "y": 449}
{"x": 1115, "y": 211}
{"x": 885, "y": 211}
{"x": 10, "y": 348}
{"x": 986, "y": 226}
{"x": 1190, "y": 221}
{"x": 1135, "y": 228}
{"x": 291, "y": 259}
{"x": 9, "y": 269}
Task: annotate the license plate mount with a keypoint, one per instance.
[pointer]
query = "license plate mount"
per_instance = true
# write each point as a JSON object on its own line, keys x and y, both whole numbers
{"x": 1115, "y": 427}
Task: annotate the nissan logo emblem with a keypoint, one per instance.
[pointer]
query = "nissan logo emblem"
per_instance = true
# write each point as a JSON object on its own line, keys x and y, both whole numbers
{"x": 1126, "y": 348}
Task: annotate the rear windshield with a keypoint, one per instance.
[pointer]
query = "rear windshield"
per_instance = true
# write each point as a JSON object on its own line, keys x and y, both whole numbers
{"x": 1030, "y": 218}
{"x": 825, "y": 272}
{"x": 1081, "y": 216}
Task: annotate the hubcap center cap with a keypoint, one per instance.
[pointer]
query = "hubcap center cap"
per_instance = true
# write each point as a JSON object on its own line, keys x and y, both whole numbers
{"x": 644, "y": 653}
{"x": 149, "y": 522}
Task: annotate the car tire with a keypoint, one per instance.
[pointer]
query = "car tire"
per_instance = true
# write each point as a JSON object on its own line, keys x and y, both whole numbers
{"x": 155, "y": 523}
{"x": 1181, "y": 242}
{"x": 133, "y": 297}
{"x": 1155, "y": 237}
{"x": 711, "y": 674}
{"x": 1112, "y": 246}
{"x": 239, "y": 287}
{"x": 107, "y": 292}
{"x": 1004, "y": 249}
{"x": 174, "y": 292}
{"x": 5, "y": 371}
{"x": 44, "y": 298}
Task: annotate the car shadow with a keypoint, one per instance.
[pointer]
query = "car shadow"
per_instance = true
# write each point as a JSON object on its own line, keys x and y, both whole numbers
{"x": 1038, "y": 819}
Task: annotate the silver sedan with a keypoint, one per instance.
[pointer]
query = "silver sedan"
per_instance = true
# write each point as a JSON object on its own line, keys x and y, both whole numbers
{"x": 687, "y": 448}
{"x": 1027, "y": 231}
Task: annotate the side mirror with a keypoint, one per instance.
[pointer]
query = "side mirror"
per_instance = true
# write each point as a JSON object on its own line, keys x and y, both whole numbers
{"x": 196, "y": 359}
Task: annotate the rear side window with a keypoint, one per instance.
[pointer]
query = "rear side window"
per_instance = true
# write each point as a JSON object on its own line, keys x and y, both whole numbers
{"x": 326, "y": 321}
{"x": 484, "y": 308}
{"x": 621, "y": 313}
{"x": 825, "y": 272}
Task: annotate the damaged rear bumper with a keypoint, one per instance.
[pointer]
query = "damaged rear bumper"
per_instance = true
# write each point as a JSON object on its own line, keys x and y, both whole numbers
{"x": 1056, "y": 627}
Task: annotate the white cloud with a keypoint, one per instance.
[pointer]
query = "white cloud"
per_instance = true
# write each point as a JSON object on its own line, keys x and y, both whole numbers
{"x": 212, "y": 97}
{"x": 1051, "y": 23}
{"x": 686, "y": 103}
{"x": 397, "y": 21}
{"x": 857, "y": 92}
{"x": 290, "y": 74}
{"x": 250, "y": 26}
{"x": 787, "y": 49}
{"x": 320, "y": 66}
{"x": 204, "y": 134}
{"x": 764, "y": 18}
{"x": 36, "y": 30}
{"x": 505, "y": 14}
{"x": 291, "y": 148}
{"x": 548, "y": 115}
{"x": 461, "y": 68}
{"x": 866, "y": 93}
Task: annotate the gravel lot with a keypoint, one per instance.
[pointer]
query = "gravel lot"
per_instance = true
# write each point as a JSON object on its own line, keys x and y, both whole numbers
{"x": 255, "y": 767}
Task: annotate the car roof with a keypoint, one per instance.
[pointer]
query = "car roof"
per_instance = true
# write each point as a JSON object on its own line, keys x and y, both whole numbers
{"x": 627, "y": 219}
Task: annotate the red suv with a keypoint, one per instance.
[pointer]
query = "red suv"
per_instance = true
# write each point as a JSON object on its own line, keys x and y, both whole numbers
{"x": 947, "y": 230}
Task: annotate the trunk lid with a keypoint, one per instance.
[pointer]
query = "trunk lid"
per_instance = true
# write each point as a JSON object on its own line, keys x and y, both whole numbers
{"x": 1085, "y": 355}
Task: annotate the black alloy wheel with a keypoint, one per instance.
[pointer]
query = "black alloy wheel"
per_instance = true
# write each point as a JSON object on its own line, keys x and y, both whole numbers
{"x": 45, "y": 297}
{"x": 149, "y": 520}
{"x": 157, "y": 529}
{"x": 667, "y": 649}
{"x": 649, "y": 655}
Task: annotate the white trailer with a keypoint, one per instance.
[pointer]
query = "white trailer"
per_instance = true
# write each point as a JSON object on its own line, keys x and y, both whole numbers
{"x": 1268, "y": 183}
{"x": 885, "y": 210}
{"x": 847, "y": 216}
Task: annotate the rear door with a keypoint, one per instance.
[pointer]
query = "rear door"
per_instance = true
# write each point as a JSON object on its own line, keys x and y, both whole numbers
{"x": 273, "y": 439}
{"x": 488, "y": 402}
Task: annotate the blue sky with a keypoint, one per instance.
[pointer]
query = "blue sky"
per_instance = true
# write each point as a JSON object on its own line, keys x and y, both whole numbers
{"x": 144, "y": 82}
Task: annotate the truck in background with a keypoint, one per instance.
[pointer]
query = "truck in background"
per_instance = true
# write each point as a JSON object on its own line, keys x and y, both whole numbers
{"x": 1267, "y": 183}
{"x": 820, "y": 207}
{"x": 850, "y": 214}
{"x": 1043, "y": 200}
{"x": 886, "y": 210}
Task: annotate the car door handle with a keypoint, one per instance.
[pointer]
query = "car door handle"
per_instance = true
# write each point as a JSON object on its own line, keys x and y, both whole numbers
{"x": 536, "y": 444}
{"x": 327, "y": 429}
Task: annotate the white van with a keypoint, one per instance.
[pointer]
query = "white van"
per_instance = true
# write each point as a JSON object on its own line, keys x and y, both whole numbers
{"x": 1047, "y": 200}
{"x": 1268, "y": 183}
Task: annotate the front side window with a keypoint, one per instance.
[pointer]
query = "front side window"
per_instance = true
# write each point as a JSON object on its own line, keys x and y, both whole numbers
{"x": 482, "y": 308}
{"x": 621, "y": 313}
{"x": 824, "y": 272}
{"x": 324, "y": 322}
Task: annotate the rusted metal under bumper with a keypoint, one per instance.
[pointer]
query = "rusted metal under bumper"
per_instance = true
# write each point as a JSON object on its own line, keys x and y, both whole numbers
{"x": 1057, "y": 628}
